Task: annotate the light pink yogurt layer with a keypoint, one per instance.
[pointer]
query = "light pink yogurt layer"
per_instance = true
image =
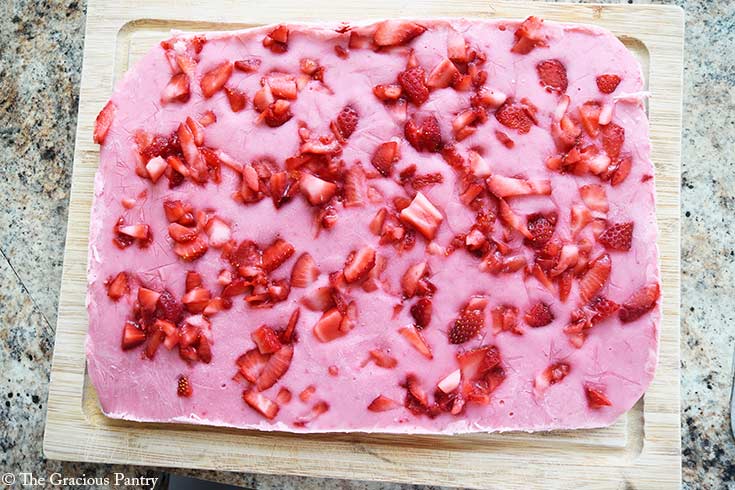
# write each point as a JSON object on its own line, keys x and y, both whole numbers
{"x": 616, "y": 358}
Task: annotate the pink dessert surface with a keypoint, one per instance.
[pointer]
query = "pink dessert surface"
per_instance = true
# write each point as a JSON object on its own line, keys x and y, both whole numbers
{"x": 422, "y": 226}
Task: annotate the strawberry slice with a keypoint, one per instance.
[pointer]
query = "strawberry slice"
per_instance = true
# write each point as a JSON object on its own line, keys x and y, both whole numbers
{"x": 553, "y": 374}
{"x": 345, "y": 124}
{"x": 412, "y": 276}
{"x": 514, "y": 116}
{"x": 276, "y": 254}
{"x": 275, "y": 368}
{"x": 354, "y": 187}
{"x": 539, "y": 315}
{"x": 132, "y": 336}
{"x": 594, "y": 197}
{"x": 156, "y": 167}
{"x": 423, "y": 216}
{"x": 607, "y": 83}
{"x": 413, "y": 82}
{"x": 595, "y": 278}
{"x": 505, "y": 319}
{"x": 529, "y": 35}
{"x": 138, "y": 231}
{"x": 277, "y": 40}
{"x": 177, "y": 89}
{"x": 508, "y": 186}
{"x": 248, "y": 65}
{"x": 218, "y": 231}
{"x": 450, "y": 382}
{"x": 148, "y": 299}
{"x": 621, "y": 170}
{"x": 511, "y": 219}
{"x": 552, "y": 75}
{"x": 251, "y": 364}
{"x": 283, "y": 187}
{"x": 589, "y": 115}
{"x": 421, "y": 312}
{"x": 266, "y": 339}
{"x": 361, "y": 263}
{"x": 414, "y": 337}
{"x": 168, "y": 308}
{"x": 443, "y": 74}
{"x": 382, "y": 359}
{"x": 183, "y": 387}
{"x": 260, "y": 403}
{"x": 468, "y": 324}
{"x": 196, "y": 300}
{"x": 316, "y": 190}
{"x": 328, "y": 328}
{"x": 613, "y": 137}
{"x": 598, "y": 310}
{"x": 382, "y": 403}
{"x": 155, "y": 338}
{"x": 237, "y": 99}
{"x": 618, "y": 236}
{"x": 596, "y": 398}
{"x": 192, "y": 250}
{"x": 216, "y": 305}
{"x": 215, "y": 79}
{"x": 103, "y": 122}
{"x": 396, "y": 32}
{"x": 385, "y": 155}
{"x": 640, "y": 303}
{"x": 387, "y": 93}
{"x": 282, "y": 86}
{"x": 283, "y": 396}
{"x": 541, "y": 227}
{"x": 182, "y": 234}
{"x": 118, "y": 287}
{"x": 304, "y": 272}
{"x": 423, "y": 133}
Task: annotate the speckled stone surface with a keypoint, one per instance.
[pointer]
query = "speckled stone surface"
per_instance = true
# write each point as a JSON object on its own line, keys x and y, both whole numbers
{"x": 40, "y": 63}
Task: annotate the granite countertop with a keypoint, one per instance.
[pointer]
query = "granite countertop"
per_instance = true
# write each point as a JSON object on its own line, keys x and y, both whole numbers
{"x": 41, "y": 44}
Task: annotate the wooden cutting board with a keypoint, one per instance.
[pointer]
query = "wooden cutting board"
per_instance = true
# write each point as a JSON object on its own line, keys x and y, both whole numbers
{"x": 642, "y": 450}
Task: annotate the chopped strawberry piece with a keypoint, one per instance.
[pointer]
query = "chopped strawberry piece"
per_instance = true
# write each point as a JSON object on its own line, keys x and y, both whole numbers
{"x": 329, "y": 325}
{"x": 354, "y": 187}
{"x": 132, "y": 336}
{"x": 613, "y": 137}
{"x": 360, "y": 265}
{"x": 529, "y": 35}
{"x": 218, "y": 231}
{"x": 283, "y": 396}
{"x": 168, "y": 308}
{"x": 509, "y": 186}
{"x": 155, "y": 338}
{"x": 598, "y": 310}
{"x": 589, "y": 115}
{"x": 421, "y": 312}
{"x": 595, "y": 278}
{"x": 307, "y": 393}
{"x": 622, "y": 170}
{"x": 215, "y": 79}
{"x": 382, "y": 359}
{"x": 539, "y": 315}
{"x": 607, "y": 83}
{"x": 276, "y": 254}
{"x": 118, "y": 287}
{"x": 505, "y": 319}
{"x": 216, "y": 305}
{"x": 266, "y": 339}
{"x": 443, "y": 74}
{"x": 304, "y": 272}
{"x": 412, "y": 276}
{"x": 618, "y": 236}
{"x": 192, "y": 250}
{"x": 640, "y": 303}
{"x": 511, "y": 219}
{"x": 553, "y": 75}
{"x": 396, "y": 32}
{"x": 248, "y": 65}
{"x": 282, "y": 187}
{"x": 183, "y": 387}
{"x": 282, "y": 86}
{"x": 346, "y": 123}
{"x": 103, "y": 122}
{"x": 316, "y": 190}
{"x": 156, "y": 167}
{"x": 139, "y": 231}
{"x": 413, "y": 82}
{"x": 423, "y": 133}
{"x": 514, "y": 116}
{"x": 422, "y": 215}
{"x": 541, "y": 227}
{"x": 196, "y": 300}
{"x": 289, "y": 334}
{"x": 550, "y": 376}
{"x": 596, "y": 398}
{"x": 148, "y": 299}
{"x": 237, "y": 99}
{"x": 414, "y": 337}
{"x": 260, "y": 403}
{"x": 451, "y": 381}
{"x": 468, "y": 324}
{"x": 277, "y": 40}
{"x": 175, "y": 210}
{"x": 383, "y": 404}
{"x": 275, "y": 367}
{"x": 386, "y": 154}
{"x": 251, "y": 364}
{"x": 594, "y": 197}
{"x": 182, "y": 234}
{"x": 177, "y": 89}
{"x": 387, "y": 93}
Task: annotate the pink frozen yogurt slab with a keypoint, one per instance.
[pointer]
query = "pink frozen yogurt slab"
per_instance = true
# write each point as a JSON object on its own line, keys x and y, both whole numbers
{"x": 428, "y": 226}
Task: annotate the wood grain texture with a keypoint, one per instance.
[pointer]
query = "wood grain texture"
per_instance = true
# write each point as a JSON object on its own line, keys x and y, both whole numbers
{"x": 642, "y": 450}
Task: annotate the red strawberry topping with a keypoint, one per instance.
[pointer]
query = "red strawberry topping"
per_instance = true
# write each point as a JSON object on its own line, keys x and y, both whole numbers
{"x": 103, "y": 122}
{"x": 383, "y": 404}
{"x": 118, "y": 287}
{"x": 346, "y": 123}
{"x": 607, "y": 83}
{"x": 386, "y": 154}
{"x": 553, "y": 75}
{"x": 539, "y": 315}
{"x": 414, "y": 337}
{"x": 260, "y": 403}
{"x": 275, "y": 368}
{"x": 595, "y": 278}
{"x": 215, "y": 79}
{"x": 421, "y": 312}
{"x": 413, "y": 82}
{"x": 360, "y": 265}
{"x": 640, "y": 303}
{"x": 266, "y": 340}
{"x": 470, "y": 322}
{"x": 423, "y": 133}
{"x": 276, "y": 254}
{"x": 396, "y": 32}
{"x": 618, "y": 236}
{"x": 236, "y": 98}
{"x": 132, "y": 336}
{"x": 514, "y": 116}
{"x": 596, "y": 398}
{"x": 183, "y": 387}
{"x": 529, "y": 35}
